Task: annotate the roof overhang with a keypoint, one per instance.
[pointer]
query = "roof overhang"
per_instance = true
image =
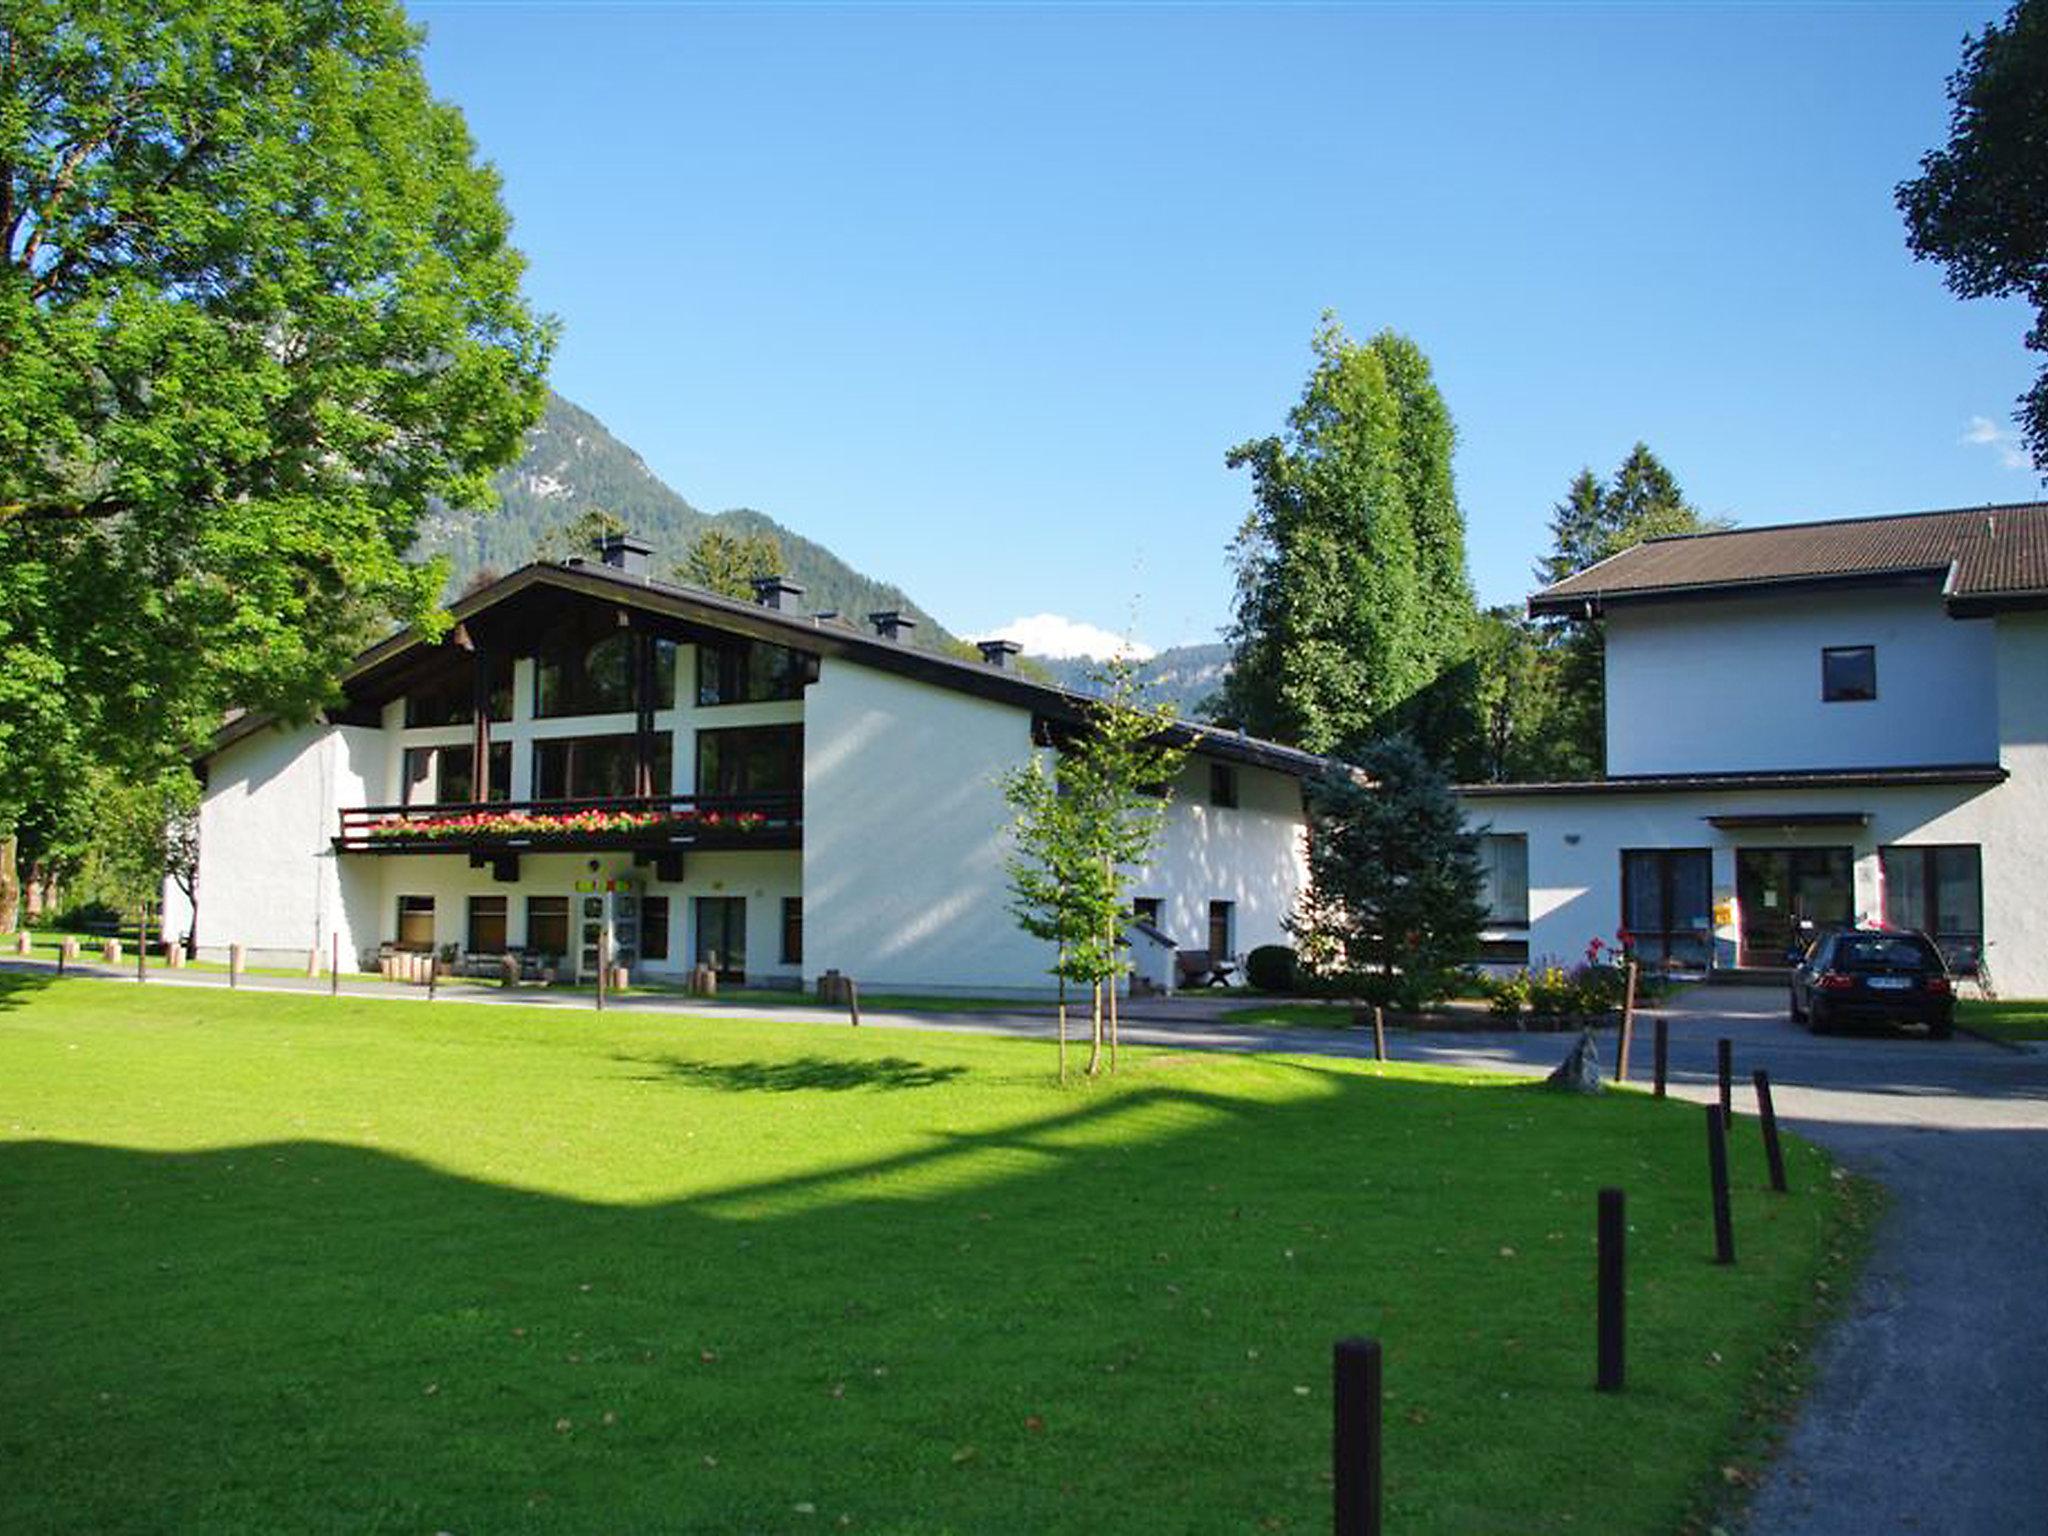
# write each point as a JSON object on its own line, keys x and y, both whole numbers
{"x": 1593, "y": 604}
{"x": 1943, "y": 774}
{"x": 1750, "y": 821}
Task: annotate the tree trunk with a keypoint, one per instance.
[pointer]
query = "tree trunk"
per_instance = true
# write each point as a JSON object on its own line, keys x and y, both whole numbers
{"x": 10, "y": 885}
{"x": 1063, "y": 1014}
{"x": 1111, "y": 985}
{"x": 1095, "y": 1028}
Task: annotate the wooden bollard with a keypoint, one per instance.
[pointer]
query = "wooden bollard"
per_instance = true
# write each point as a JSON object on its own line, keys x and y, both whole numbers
{"x": 1724, "y": 1069}
{"x": 67, "y": 954}
{"x": 110, "y": 952}
{"x": 1717, "y": 1173}
{"x": 1767, "y": 1113}
{"x": 853, "y": 1000}
{"x": 1612, "y": 1371}
{"x": 235, "y": 956}
{"x": 1628, "y": 1027}
{"x": 508, "y": 970}
{"x": 1355, "y": 1437}
{"x": 21, "y": 942}
{"x": 334, "y": 965}
{"x": 174, "y": 955}
{"x": 604, "y": 964}
{"x": 1661, "y": 1053}
{"x": 312, "y": 962}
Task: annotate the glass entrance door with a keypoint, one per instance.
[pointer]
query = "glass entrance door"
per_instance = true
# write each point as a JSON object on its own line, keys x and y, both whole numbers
{"x": 1782, "y": 890}
{"x": 722, "y": 936}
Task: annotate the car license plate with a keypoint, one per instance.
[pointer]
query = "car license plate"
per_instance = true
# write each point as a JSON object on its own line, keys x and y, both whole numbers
{"x": 1890, "y": 983}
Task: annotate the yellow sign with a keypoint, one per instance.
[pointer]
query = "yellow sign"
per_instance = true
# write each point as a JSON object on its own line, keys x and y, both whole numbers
{"x": 1724, "y": 914}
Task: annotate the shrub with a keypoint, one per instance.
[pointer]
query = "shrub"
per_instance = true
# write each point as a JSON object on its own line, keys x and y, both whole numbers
{"x": 1270, "y": 968}
{"x": 1551, "y": 991}
{"x": 91, "y": 917}
{"x": 1508, "y": 995}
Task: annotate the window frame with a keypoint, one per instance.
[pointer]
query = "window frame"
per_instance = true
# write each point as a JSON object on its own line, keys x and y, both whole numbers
{"x": 792, "y": 931}
{"x": 414, "y": 907}
{"x": 1960, "y": 947}
{"x": 471, "y": 913}
{"x": 1224, "y": 912}
{"x": 1833, "y": 691}
{"x": 1223, "y": 786}
{"x": 532, "y": 946}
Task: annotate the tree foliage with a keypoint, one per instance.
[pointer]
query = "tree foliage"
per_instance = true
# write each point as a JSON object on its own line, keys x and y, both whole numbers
{"x": 727, "y": 563}
{"x": 1980, "y": 203}
{"x": 579, "y": 537}
{"x": 1083, "y": 818}
{"x": 258, "y": 314}
{"x": 1392, "y": 905}
{"x": 1354, "y": 612}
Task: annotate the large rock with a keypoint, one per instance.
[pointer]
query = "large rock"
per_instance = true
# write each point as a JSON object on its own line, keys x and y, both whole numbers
{"x": 1580, "y": 1071}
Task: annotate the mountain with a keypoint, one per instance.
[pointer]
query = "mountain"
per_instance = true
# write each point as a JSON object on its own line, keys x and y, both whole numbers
{"x": 1182, "y": 675}
{"x": 573, "y": 463}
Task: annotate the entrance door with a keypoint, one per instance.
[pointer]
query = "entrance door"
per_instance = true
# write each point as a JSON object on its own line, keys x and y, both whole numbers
{"x": 722, "y": 936}
{"x": 1782, "y": 889}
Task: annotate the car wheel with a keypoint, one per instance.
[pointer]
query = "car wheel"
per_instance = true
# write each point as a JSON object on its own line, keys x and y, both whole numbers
{"x": 1940, "y": 1030}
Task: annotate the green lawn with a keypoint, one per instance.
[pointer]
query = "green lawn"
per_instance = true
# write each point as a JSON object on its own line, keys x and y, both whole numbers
{"x": 2005, "y": 1018}
{"x": 275, "y": 1263}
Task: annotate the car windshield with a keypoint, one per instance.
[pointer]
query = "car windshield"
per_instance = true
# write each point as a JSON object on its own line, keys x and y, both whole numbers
{"x": 1884, "y": 951}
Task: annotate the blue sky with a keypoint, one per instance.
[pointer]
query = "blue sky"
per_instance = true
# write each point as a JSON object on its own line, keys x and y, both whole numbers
{"x": 979, "y": 296}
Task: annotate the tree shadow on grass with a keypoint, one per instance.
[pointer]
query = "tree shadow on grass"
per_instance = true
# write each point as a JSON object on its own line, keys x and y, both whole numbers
{"x": 825, "y": 1073}
{"x": 21, "y": 980}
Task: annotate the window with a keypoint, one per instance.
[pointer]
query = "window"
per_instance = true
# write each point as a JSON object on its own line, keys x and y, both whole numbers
{"x": 597, "y": 767}
{"x": 547, "y": 925}
{"x": 1848, "y": 673}
{"x": 486, "y": 925}
{"x": 1667, "y": 906}
{"x": 654, "y": 928}
{"x": 1146, "y": 909}
{"x": 441, "y": 775}
{"x": 1504, "y": 861}
{"x": 418, "y": 788}
{"x": 416, "y": 922}
{"x": 751, "y": 672}
{"x": 792, "y": 930}
{"x": 584, "y": 666}
{"x": 1222, "y": 922}
{"x": 1222, "y": 784}
{"x": 451, "y": 699}
{"x": 761, "y": 760}
{"x": 1939, "y": 892}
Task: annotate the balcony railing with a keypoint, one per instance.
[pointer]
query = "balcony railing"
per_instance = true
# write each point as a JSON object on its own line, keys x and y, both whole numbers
{"x": 538, "y": 826}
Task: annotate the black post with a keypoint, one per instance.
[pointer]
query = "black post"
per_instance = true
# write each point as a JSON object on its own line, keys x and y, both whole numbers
{"x": 1774, "y": 1154}
{"x": 1613, "y": 1259}
{"x": 1663, "y": 1054}
{"x": 1379, "y": 1033}
{"x": 142, "y": 941}
{"x": 853, "y": 1000}
{"x": 604, "y": 963}
{"x": 334, "y": 965}
{"x": 1717, "y": 1169}
{"x": 1724, "y": 1066}
{"x": 433, "y": 973}
{"x": 60, "y": 955}
{"x": 1355, "y": 1447}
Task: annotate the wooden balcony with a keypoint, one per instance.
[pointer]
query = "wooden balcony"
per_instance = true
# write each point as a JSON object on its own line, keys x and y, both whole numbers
{"x": 662, "y": 824}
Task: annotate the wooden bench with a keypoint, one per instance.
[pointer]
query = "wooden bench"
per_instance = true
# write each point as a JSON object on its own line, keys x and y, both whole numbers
{"x": 1198, "y": 968}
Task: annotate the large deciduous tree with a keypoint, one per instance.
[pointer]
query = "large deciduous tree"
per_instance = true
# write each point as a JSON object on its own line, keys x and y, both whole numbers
{"x": 1980, "y": 203}
{"x": 259, "y": 312}
{"x": 1354, "y": 613}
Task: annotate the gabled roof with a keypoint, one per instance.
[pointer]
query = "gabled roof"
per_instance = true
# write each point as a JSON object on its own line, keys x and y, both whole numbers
{"x": 383, "y": 668}
{"x": 1983, "y": 560}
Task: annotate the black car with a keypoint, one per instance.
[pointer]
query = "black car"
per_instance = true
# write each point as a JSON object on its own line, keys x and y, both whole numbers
{"x": 1874, "y": 976}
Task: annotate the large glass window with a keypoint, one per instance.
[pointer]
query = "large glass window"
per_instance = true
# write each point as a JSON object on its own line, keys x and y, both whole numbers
{"x": 1667, "y": 906}
{"x": 1938, "y": 891}
{"x": 416, "y": 922}
{"x": 451, "y": 698}
{"x": 751, "y": 672}
{"x": 597, "y": 767}
{"x": 547, "y": 925}
{"x": 486, "y": 925}
{"x": 759, "y": 760}
{"x": 1504, "y": 861}
{"x": 457, "y": 779}
{"x": 584, "y": 666}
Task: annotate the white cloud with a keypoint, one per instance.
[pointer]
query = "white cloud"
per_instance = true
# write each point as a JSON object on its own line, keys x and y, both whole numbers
{"x": 1984, "y": 432}
{"x": 1052, "y": 634}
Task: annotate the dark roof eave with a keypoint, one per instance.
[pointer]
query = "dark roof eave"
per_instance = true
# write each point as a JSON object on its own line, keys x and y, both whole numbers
{"x": 1591, "y": 603}
{"x": 1983, "y": 605}
{"x": 1782, "y": 779}
{"x": 759, "y": 623}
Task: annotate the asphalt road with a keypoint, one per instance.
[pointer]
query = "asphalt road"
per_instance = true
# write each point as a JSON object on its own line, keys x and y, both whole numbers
{"x": 1930, "y": 1407}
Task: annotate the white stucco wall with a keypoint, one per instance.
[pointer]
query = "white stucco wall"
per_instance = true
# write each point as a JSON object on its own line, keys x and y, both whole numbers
{"x": 1735, "y": 684}
{"x": 268, "y": 877}
{"x": 1254, "y": 855}
{"x": 906, "y": 834}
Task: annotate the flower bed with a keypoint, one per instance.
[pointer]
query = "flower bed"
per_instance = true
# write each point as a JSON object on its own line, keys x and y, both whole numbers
{"x": 560, "y": 825}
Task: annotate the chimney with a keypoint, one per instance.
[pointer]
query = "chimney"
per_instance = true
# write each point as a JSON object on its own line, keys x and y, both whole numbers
{"x": 997, "y": 653}
{"x": 623, "y": 552}
{"x": 893, "y": 625}
{"x": 777, "y": 592}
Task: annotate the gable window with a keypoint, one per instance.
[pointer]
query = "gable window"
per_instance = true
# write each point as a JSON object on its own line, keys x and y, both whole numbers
{"x": 1938, "y": 892}
{"x": 1504, "y": 865}
{"x": 1222, "y": 785}
{"x": 751, "y": 672}
{"x": 597, "y": 767}
{"x": 1848, "y": 673}
{"x": 451, "y": 699}
{"x": 756, "y": 760}
{"x": 583, "y": 665}
{"x": 416, "y": 923}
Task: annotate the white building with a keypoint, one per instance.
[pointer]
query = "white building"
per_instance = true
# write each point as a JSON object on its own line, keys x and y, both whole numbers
{"x": 1810, "y": 723}
{"x": 704, "y": 781}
